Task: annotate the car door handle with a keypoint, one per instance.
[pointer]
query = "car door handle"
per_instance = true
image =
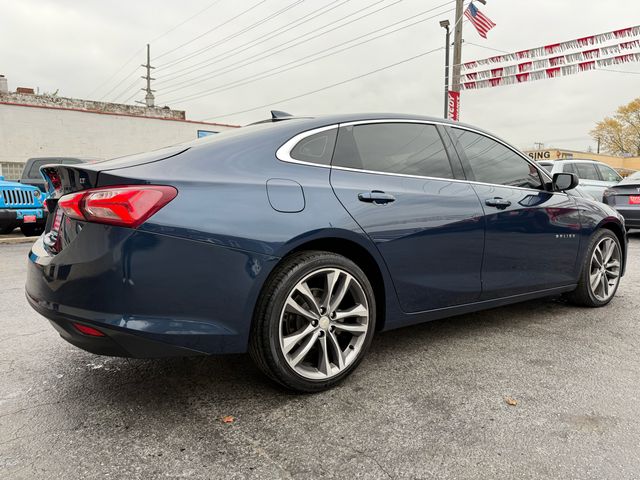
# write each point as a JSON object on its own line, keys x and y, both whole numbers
{"x": 497, "y": 202}
{"x": 376, "y": 196}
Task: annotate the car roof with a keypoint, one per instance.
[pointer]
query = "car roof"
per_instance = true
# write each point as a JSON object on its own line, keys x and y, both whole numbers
{"x": 581, "y": 160}
{"x": 82, "y": 159}
{"x": 303, "y": 123}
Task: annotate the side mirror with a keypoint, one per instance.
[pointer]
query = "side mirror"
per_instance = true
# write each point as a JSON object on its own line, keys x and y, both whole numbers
{"x": 564, "y": 181}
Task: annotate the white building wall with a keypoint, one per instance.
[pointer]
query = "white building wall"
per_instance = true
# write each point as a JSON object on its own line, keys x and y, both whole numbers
{"x": 27, "y": 131}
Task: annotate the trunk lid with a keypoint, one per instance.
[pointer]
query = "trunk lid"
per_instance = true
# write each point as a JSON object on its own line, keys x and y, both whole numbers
{"x": 65, "y": 179}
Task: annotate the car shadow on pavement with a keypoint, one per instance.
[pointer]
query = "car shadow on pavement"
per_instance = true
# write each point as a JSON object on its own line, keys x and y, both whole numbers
{"x": 166, "y": 384}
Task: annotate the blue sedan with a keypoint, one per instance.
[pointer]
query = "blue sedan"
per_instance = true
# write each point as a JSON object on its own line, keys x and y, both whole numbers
{"x": 298, "y": 240}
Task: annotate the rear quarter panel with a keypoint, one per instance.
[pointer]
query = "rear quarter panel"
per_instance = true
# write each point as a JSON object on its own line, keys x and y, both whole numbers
{"x": 223, "y": 204}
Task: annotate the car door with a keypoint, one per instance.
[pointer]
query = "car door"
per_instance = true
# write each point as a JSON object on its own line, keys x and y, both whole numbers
{"x": 399, "y": 184}
{"x": 531, "y": 240}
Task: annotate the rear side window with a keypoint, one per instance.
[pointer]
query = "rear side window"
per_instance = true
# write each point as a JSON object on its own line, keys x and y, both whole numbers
{"x": 400, "y": 148}
{"x": 608, "y": 174}
{"x": 569, "y": 168}
{"x": 587, "y": 171}
{"x": 492, "y": 162}
{"x": 316, "y": 148}
{"x": 34, "y": 169}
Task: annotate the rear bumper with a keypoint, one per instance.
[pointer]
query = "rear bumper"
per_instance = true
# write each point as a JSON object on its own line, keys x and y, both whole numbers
{"x": 631, "y": 216}
{"x": 114, "y": 343}
{"x": 15, "y": 216}
{"x": 151, "y": 295}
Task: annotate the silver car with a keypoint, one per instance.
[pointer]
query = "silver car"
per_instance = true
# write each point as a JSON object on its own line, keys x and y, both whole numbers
{"x": 595, "y": 177}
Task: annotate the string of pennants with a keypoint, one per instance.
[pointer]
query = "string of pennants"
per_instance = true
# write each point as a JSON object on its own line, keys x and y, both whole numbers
{"x": 551, "y": 72}
{"x": 555, "y": 47}
{"x": 557, "y": 61}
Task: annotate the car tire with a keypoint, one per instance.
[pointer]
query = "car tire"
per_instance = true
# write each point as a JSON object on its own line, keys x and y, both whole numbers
{"x": 31, "y": 230}
{"x": 7, "y": 229}
{"x": 593, "y": 271}
{"x": 317, "y": 349}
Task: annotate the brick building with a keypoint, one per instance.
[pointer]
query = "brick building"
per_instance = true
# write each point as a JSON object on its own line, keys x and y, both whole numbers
{"x": 34, "y": 125}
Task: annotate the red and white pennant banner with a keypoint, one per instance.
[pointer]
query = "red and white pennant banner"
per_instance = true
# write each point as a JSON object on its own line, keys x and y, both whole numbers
{"x": 555, "y": 47}
{"x": 557, "y": 61}
{"x": 551, "y": 72}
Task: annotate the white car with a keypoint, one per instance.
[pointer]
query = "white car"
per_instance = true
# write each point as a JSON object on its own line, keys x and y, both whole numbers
{"x": 595, "y": 177}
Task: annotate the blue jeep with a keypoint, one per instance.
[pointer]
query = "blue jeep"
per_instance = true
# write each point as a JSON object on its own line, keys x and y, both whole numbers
{"x": 21, "y": 206}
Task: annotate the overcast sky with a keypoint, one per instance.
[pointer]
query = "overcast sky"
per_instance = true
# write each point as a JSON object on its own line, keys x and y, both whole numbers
{"x": 77, "y": 46}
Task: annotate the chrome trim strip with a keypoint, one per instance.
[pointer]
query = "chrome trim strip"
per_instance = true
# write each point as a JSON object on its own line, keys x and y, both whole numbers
{"x": 456, "y": 180}
{"x": 284, "y": 152}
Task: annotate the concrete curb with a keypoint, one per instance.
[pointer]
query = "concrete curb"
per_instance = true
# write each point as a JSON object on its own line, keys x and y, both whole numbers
{"x": 13, "y": 240}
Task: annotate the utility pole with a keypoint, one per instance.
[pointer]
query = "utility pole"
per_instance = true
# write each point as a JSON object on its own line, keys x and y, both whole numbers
{"x": 538, "y": 145}
{"x": 149, "y": 99}
{"x": 457, "y": 46}
{"x": 445, "y": 24}
{"x": 598, "y": 145}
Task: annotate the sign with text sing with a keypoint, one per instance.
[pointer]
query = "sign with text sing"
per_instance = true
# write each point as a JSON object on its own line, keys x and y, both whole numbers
{"x": 454, "y": 105}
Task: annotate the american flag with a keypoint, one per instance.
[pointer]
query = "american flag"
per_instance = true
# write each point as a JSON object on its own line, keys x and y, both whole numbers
{"x": 479, "y": 20}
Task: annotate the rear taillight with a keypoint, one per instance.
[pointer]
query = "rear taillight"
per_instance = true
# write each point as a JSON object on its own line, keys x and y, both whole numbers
{"x": 125, "y": 206}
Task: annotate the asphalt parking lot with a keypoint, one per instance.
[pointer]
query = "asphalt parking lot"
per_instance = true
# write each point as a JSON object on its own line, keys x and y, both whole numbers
{"x": 428, "y": 402}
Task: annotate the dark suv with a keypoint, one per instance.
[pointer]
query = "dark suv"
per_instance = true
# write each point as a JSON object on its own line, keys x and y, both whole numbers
{"x": 31, "y": 171}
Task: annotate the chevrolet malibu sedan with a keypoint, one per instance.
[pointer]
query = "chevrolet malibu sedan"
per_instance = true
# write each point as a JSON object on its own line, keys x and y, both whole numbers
{"x": 299, "y": 240}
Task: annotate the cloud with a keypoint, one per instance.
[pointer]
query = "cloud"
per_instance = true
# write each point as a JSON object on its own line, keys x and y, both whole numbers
{"x": 74, "y": 46}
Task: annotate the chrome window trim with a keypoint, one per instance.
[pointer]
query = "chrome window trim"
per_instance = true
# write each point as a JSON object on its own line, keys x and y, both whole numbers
{"x": 284, "y": 152}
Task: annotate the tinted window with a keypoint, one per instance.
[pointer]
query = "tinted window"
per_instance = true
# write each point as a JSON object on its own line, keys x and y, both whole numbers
{"x": 492, "y": 162}
{"x": 34, "y": 169}
{"x": 405, "y": 148}
{"x": 71, "y": 161}
{"x": 569, "y": 168}
{"x": 608, "y": 173}
{"x": 587, "y": 171}
{"x": 316, "y": 148}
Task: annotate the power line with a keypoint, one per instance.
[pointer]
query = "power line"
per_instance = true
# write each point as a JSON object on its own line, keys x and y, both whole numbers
{"x": 211, "y": 30}
{"x": 108, "y": 80}
{"x": 260, "y": 39}
{"x": 234, "y": 52}
{"x": 618, "y": 71}
{"x": 201, "y": 50}
{"x": 377, "y": 70}
{"x": 133, "y": 57}
{"x": 266, "y": 74}
{"x": 200, "y": 12}
{"x": 133, "y": 72}
{"x": 128, "y": 89}
{"x": 485, "y": 47}
{"x": 266, "y": 54}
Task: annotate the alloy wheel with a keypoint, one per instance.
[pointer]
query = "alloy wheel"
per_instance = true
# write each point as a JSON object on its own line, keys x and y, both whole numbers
{"x": 604, "y": 273}
{"x": 324, "y": 323}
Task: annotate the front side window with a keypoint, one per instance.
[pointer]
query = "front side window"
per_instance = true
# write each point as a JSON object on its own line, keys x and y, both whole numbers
{"x": 316, "y": 148}
{"x": 587, "y": 171}
{"x": 492, "y": 162}
{"x": 400, "y": 148}
{"x": 608, "y": 174}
